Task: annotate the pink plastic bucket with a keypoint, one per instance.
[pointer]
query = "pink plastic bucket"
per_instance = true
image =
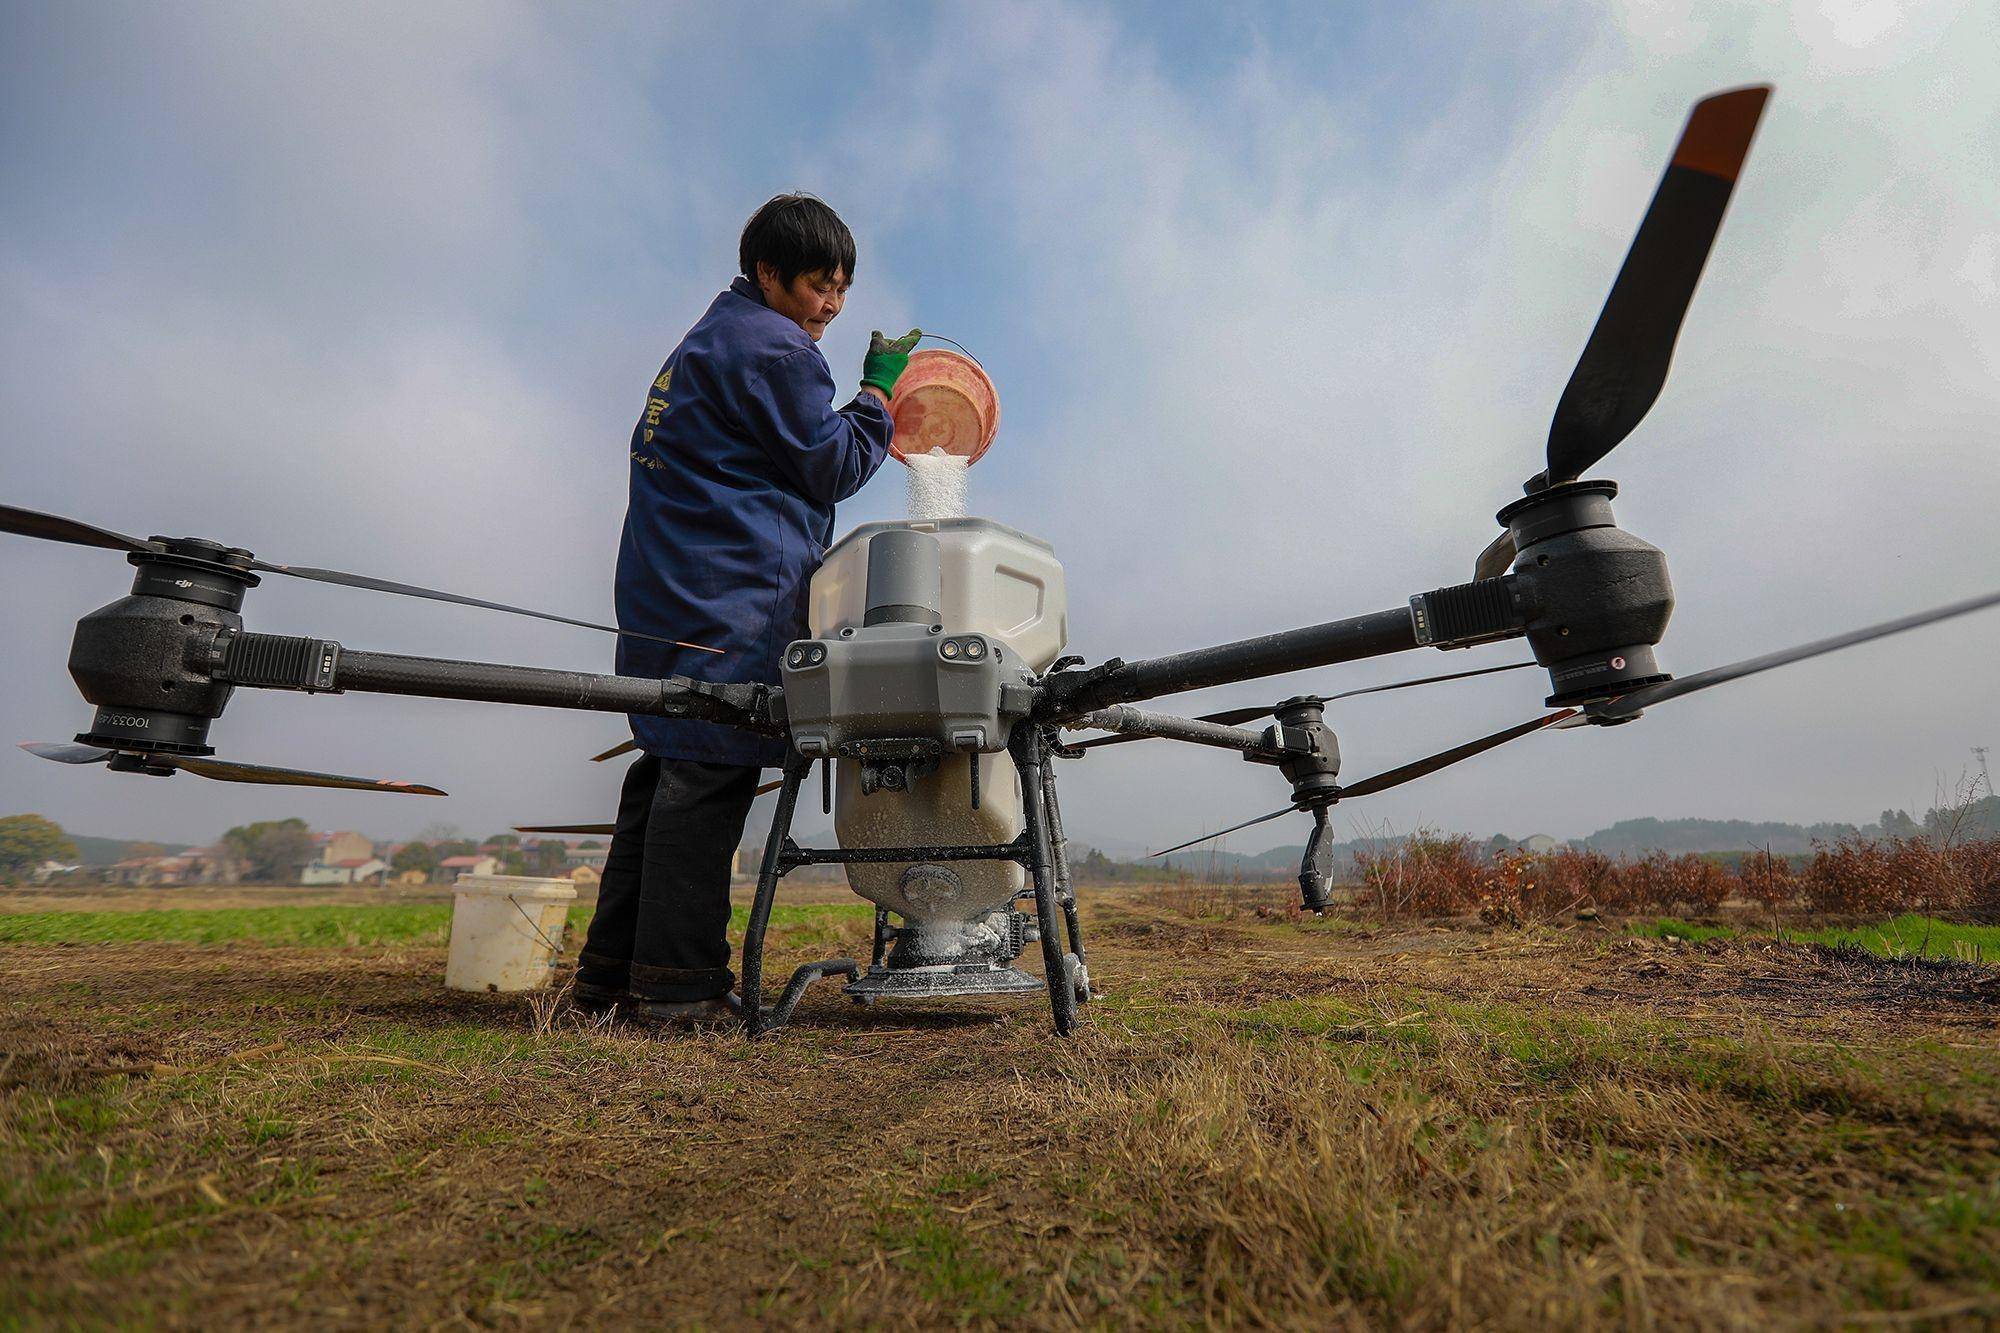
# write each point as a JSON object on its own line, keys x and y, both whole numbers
{"x": 944, "y": 401}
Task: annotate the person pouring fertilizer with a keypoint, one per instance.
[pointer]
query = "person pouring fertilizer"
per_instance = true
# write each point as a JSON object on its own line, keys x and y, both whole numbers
{"x": 736, "y": 465}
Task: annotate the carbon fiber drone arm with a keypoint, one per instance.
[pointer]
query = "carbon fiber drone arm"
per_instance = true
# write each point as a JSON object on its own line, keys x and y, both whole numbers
{"x": 321, "y": 666}
{"x": 1447, "y": 618}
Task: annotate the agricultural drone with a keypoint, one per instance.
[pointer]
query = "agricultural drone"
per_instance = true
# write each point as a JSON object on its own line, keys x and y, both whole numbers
{"x": 933, "y": 692}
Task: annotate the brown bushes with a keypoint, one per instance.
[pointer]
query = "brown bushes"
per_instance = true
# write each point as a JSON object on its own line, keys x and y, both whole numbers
{"x": 1431, "y": 875}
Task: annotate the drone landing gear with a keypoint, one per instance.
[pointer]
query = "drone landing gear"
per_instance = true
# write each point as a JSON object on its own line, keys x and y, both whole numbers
{"x": 1039, "y": 850}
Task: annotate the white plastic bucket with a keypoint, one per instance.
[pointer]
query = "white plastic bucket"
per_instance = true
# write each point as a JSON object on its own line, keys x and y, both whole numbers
{"x": 505, "y": 930}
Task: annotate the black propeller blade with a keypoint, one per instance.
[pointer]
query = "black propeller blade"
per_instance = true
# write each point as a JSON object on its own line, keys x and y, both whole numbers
{"x": 1625, "y": 362}
{"x": 411, "y": 590}
{"x": 54, "y": 527}
{"x": 1396, "y": 777}
{"x": 1233, "y": 828}
{"x": 222, "y": 770}
{"x": 1629, "y": 705}
{"x": 1231, "y": 717}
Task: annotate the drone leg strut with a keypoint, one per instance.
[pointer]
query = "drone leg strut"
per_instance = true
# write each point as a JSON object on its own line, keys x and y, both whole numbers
{"x": 772, "y": 869}
{"x": 1065, "y": 889}
{"x": 1029, "y": 745}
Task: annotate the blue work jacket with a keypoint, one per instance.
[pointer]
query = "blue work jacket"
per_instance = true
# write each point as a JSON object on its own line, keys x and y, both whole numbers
{"x": 736, "y": 464}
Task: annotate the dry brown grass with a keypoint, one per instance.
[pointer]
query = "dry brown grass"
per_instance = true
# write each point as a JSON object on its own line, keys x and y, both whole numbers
{"x": 1265, "y": 1123}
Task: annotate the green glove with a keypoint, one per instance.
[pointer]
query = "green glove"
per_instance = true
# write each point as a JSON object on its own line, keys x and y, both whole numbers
{"x": 886, "y": 360}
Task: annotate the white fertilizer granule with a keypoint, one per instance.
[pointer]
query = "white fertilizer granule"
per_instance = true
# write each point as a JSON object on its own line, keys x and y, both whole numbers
{"x": 937, "y": 485}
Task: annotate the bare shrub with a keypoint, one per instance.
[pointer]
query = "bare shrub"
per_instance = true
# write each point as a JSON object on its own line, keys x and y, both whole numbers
{"x": 1924, "y": 875}
{"x": 1767, "y": 879}
{"x": 1853, "y": 875}
{"x": 1585, "y": 878}
{"x": 1426, "y": 875}
{"x": 1700, "y": 884}
{"x": 1979, "y": 872}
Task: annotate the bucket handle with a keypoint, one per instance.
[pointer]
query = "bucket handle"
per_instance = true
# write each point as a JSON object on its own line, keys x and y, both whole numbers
{"x": 554, "y": 948}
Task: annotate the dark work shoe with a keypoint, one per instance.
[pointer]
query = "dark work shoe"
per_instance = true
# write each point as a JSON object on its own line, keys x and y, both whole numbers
{"x": 723, "y": 1011}
{"x": 595, "y": 1001}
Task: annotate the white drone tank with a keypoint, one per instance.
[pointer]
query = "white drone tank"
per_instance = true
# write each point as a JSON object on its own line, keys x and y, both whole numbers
{"x": 1001, "y": 583}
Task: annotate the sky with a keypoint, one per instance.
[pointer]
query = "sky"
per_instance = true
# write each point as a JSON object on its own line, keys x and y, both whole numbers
{"x": 1278, "y": 299}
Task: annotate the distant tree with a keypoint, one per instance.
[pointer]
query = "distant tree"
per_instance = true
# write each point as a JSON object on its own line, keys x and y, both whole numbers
{"x": 1499, "y": 842}
{"x": 439, "y": 833}
{"x": 140, "y": 851}
{"x": 590, "y": 846}
{"x": 454, "y": 847}
{"x": 513, "y": 863}
{"x": 501, "y": 842}
{"x": 417, "y": 856}
{"x": 1898, "y": 824}
{"x": 548, "y": 859}
{"x": 28, "y": 840}
{"x": 272, "y": 850}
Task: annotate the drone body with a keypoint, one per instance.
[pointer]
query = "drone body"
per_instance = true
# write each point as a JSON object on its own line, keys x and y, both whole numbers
{"x": 927, "y": 640}
{"x": 933, "y": 682}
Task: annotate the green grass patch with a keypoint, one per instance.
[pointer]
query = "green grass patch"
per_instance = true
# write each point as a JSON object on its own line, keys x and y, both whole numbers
{"x": 1911, "y": 935}
{"x": 948, "y": 1265}
{"x": 340, "y": 926}
{"x": 321, "y": 926}
{"x": 1673, "y": 928}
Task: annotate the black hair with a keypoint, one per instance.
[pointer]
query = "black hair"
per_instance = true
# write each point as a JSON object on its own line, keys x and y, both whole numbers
{"x": 794, "y": 234}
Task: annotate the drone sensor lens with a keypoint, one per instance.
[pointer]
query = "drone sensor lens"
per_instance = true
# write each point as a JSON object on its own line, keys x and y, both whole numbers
{"x": 816, "y": 654}
{"x": 950, "y": 648}
{"x": 796, "y": 657}
{"x": 975, "y": 649}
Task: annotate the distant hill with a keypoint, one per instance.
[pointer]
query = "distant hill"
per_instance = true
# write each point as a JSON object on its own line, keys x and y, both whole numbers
{"x": 1635, "y": 837}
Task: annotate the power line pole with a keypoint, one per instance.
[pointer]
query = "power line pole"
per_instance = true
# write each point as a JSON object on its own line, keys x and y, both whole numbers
{"x": 1979, "y": 753}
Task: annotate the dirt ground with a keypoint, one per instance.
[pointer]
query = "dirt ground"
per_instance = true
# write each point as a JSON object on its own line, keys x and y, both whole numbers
{"x": 1263, "y": 1122}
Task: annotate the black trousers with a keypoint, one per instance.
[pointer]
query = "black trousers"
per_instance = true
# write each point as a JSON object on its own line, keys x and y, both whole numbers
{"x": 661, "y": 930}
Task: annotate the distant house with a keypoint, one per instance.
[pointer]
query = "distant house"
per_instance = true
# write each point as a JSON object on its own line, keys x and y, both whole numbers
{"x": 586, "y": 856}
{"x": 165, "y": 870}
{"x": 585, "y": 877}
{"x": 454, "y": 868}
{"x": 352, "y": 870}
{"x": 346, "y": 845}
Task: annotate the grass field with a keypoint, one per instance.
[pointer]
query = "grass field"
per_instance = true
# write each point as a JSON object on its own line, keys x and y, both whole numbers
{"x": 1906, "y": 936}
{"x": 276, "y": 1115}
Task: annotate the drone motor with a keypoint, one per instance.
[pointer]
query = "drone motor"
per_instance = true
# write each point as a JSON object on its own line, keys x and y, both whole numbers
{"x": 144, "y": 660}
